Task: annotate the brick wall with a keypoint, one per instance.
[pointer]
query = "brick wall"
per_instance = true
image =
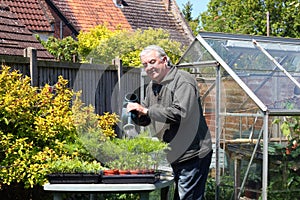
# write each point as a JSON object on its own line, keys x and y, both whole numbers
{"x": 235, "y": 100}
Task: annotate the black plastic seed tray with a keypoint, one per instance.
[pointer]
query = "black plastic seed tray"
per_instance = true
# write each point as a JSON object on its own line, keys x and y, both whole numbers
{"x": 130, "y": 178}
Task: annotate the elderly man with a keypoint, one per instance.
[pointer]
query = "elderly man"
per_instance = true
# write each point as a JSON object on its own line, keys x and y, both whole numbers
{"x": 172, "y": 105}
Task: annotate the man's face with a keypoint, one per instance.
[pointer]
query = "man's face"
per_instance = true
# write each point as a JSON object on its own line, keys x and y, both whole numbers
{"x": 155, "y": 67}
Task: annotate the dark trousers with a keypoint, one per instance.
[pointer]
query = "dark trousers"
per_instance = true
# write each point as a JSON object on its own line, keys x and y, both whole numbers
{"x": 190, "y": 178}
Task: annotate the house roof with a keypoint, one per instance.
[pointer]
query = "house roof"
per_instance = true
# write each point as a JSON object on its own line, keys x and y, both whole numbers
{"x": 34, "y": 14}
{"x": 133, "y": 14}
{"x": 165, "y": 14}
{"x": 85, "y": 16}
{"x": 15, "y": 37}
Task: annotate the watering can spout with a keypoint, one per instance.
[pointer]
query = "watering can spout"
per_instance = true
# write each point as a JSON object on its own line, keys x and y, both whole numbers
{"x": 129, "y": 128}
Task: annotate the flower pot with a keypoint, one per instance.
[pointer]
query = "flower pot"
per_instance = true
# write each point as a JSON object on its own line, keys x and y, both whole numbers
{"x": 123, "y": 171}
{"x": 110, "y": 172}
{"x": 136, "y": 171}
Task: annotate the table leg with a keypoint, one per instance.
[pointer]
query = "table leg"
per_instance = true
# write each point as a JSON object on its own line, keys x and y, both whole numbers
{"x": 144, "y": 195}
{"x": 164, "y": 193}
{"x": 57, "y": 196}
{"x": 92, "y": 196}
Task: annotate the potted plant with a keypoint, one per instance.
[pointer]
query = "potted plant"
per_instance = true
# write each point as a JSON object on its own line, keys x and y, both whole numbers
{"x": 137, "y": 153}
{"x": 134, "y": 160}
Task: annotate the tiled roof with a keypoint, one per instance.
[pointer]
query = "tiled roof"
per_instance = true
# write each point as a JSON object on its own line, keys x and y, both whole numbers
{"x": 15, "y": 37}
{"x": 82, "y": 15}
{"x": 85, "y": 15}
{"x": 135, "y": 14}
{"x": 143, "y": 14}
{"x": 34, "y": 14}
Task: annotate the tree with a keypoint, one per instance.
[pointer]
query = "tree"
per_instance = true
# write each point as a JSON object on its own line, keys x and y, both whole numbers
{"x": 193, "y": 23}
{"x": 249, "y": 17}
{"x": 187, "y": 11}
{"x": 105, "y": 46}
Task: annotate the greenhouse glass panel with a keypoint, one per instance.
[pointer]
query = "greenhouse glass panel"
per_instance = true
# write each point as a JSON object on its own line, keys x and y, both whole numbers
{"x": 260, "y": 73}
{"x": 196, "y": 53}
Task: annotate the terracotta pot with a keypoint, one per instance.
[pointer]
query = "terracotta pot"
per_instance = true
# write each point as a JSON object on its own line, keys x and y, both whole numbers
{"x": 136, "y": 171}
{"x": 122, "y": 171}
{"x": 110, "y": 172}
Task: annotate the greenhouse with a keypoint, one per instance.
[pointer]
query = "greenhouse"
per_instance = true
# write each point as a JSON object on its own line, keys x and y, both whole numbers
{"x": 250, "y": 94}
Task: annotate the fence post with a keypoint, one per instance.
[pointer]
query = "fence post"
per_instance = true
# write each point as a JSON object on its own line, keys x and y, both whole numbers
{"x": 32, "y": 54}
{"x": 118, "y": 63}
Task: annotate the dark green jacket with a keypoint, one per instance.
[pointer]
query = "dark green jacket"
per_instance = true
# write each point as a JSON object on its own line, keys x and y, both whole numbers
{"x": 176, "y": 114}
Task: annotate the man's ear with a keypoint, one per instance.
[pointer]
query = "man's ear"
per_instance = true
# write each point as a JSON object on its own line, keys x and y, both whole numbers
{"x": 165, "y": 59}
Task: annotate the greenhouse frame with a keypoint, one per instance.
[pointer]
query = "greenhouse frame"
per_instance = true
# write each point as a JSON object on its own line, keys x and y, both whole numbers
{"x": 247, "y": 84}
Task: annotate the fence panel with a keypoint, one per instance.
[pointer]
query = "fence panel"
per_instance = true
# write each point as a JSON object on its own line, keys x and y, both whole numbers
{"x": 99, "y": 83}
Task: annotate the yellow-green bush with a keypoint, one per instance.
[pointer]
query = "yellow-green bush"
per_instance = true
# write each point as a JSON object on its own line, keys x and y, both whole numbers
{"x": 103, "y": 45}
{"x": 38, "y": 126}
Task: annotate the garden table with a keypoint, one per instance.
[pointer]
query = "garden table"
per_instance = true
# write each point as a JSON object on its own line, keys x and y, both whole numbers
{"x": 163, "y": 184}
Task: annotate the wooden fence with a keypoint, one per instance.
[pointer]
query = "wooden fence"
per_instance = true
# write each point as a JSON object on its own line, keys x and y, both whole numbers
{"x": 103, "y": 86}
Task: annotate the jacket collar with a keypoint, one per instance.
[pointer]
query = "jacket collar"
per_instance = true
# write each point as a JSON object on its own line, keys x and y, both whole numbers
{"x": 169, "y": 76}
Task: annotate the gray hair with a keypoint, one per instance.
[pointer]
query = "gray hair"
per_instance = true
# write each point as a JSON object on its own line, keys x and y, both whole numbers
{"x": 161, "y": 52}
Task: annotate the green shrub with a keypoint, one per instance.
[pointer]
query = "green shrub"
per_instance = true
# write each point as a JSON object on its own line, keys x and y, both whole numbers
{"x": 38, "y": 127}
{"x": 34, "y": 124}
{"x": 103, "y": 45}
{"x": 65, "y": 49}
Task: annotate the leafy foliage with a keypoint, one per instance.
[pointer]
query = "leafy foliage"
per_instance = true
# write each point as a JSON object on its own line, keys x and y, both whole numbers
{"x": 135, "y": 153}
{"x": 226, "y": 189}
{"x": 34, "y": 125}
{"x": 86, "y": 120}
{"x": 290, "y": 127}
{"x": 74, "y": 165}
{"x": 65, "y": 49}
{"x": 87, "y": 41}
{"x": 193, "y": 23}
{"x": 38, "y": 127}
{"x": 250, "y": 17}
{"x": 102, "y": 45}
{"x": 284, "y": 173}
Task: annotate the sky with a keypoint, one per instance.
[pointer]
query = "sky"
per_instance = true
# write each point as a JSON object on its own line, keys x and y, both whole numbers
{"x": 199, "y": 6}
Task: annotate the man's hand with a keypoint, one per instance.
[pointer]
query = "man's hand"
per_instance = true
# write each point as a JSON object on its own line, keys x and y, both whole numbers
{"x": 137, "y": 107}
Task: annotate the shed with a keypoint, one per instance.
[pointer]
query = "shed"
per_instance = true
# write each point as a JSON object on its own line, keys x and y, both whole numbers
{"x": 247, "y": 83}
